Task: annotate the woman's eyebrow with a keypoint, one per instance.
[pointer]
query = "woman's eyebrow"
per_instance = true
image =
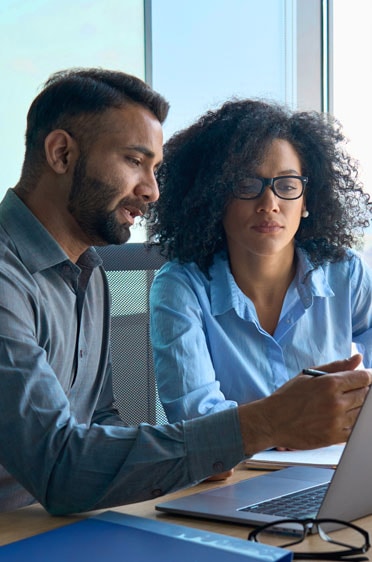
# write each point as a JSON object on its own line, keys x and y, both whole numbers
{"x": 289, "y": 172}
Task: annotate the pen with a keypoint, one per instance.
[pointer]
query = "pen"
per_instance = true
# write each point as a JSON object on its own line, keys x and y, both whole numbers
{"x": 314, "y": 372}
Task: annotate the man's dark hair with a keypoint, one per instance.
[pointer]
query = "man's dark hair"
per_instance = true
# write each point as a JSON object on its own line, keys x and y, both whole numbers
{"x": 203, "y": 162}
{"x": 72, "y": 98}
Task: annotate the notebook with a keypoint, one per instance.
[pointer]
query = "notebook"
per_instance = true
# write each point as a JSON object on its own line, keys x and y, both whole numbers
{"x": 344, "y": 493}
{"x": 117, "y": 536}
{"x": 271, "y": 459}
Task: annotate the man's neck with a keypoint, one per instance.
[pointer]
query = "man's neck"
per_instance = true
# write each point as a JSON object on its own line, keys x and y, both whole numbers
{"x": 53, "y": 214}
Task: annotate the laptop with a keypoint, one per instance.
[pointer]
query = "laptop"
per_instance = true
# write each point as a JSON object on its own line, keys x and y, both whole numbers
{"x": 343, "y": 493}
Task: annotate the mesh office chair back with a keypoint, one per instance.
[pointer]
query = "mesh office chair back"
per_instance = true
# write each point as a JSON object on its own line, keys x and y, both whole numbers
{"x": 130, "y": 270}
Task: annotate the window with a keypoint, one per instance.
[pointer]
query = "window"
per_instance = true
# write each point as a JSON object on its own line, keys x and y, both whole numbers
{"x": 206, "y": 52}
{"x": 40, "y": 37}
{"x": 351, "y": 78}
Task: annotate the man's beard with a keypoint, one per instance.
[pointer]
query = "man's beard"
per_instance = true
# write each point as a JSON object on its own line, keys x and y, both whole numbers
{"x": 88, "y": 205}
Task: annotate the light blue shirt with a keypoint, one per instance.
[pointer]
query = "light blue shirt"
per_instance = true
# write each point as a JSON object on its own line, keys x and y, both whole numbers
{"x": 61, "y": 440}
{"x": 211, "y": 353}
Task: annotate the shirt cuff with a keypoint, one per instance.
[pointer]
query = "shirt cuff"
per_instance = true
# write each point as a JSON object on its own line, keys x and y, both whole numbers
{"x": 213, "y": 443}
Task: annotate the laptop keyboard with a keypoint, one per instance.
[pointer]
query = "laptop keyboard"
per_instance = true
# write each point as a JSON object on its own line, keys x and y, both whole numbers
{"x": 305, "y": 503}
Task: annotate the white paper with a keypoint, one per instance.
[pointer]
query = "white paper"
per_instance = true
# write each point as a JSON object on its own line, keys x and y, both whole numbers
{"x": 324, "y": 457}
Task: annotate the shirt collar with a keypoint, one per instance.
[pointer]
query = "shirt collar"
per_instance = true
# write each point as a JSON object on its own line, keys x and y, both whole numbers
{"x": 226, "y": 295}
{"x": 37, "y": 249}
{"x": 311, "y": 281}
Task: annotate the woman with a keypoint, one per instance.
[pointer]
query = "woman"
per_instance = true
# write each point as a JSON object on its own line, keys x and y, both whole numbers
{"x": 260, "y": 208}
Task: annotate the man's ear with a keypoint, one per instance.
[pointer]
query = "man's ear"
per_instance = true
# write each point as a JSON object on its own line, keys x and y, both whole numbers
{"x": 60, "y": 150}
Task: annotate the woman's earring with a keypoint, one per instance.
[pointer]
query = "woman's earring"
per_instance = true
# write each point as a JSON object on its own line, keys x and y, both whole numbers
{"x": 305, "y": 214}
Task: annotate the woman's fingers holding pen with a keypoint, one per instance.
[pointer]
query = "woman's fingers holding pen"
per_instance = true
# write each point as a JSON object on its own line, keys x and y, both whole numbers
{"x": 348, "y": 364}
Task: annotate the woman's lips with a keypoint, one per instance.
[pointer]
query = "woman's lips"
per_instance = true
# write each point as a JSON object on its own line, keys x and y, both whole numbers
{"x": 267, "y": 227}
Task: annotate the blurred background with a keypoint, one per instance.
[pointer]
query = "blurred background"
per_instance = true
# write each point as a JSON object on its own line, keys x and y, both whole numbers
{"x": 310, "y": 54}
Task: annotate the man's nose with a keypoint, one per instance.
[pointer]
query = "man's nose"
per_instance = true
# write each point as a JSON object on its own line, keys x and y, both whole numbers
{"x": 148, "y": 188}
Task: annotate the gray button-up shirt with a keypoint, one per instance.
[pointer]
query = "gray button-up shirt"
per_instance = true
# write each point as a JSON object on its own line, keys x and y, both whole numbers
{"x": 61, "y": 440}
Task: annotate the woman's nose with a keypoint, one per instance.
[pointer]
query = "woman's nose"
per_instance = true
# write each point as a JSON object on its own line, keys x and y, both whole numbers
{"x": 268, "y": 201}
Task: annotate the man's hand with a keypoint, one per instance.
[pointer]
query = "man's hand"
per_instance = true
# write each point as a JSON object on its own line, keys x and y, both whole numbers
{"x": 307, "y": 412}
{"x": 220, "y": 476}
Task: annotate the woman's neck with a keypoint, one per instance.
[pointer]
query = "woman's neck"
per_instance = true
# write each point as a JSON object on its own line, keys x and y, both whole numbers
{"x": 265, "y": 280}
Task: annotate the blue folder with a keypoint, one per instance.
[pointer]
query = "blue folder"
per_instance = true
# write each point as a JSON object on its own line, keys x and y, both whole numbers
{"x": 116, "y": 536}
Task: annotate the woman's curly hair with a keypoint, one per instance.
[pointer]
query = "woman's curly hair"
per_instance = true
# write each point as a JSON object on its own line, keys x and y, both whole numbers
{"x": 203, "y": 162}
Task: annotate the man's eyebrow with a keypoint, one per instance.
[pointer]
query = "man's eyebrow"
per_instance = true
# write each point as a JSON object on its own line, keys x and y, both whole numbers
{"x": 143, "y": 149}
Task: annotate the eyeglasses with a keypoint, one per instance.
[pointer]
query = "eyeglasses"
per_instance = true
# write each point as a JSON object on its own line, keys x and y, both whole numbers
{"x": 279, "y": 532}
{"x": 284, "y": 187}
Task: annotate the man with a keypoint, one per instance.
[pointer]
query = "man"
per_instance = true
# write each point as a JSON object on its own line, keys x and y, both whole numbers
{"x": 93, "y": 144}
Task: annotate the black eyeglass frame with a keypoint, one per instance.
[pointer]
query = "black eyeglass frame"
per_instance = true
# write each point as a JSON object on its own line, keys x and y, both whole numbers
{"x": 306, "y": 525}
{"x": 270, "y": 182}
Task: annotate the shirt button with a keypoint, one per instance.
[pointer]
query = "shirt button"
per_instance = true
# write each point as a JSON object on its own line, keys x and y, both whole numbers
{"x": 156, "y": 493}
{"x": 218, "y": 466}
